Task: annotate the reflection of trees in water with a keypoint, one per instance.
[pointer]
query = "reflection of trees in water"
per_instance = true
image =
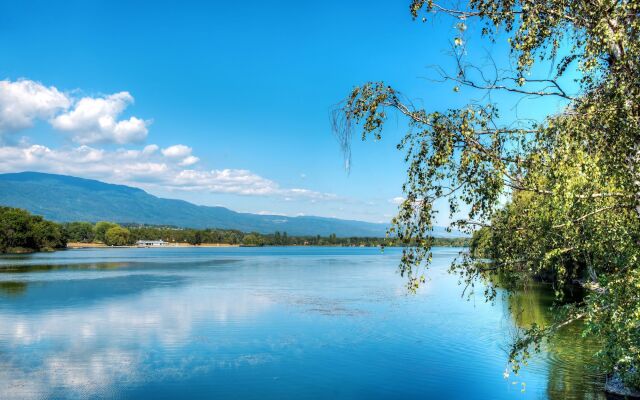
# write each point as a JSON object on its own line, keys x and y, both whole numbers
{"x": 15, "y": 269}
{"x": 570, "y": 357}
{"x": 12, "y": 288}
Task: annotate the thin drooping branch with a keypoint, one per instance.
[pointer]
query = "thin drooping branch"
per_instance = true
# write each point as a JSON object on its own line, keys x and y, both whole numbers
{"x": 497, "y": 83}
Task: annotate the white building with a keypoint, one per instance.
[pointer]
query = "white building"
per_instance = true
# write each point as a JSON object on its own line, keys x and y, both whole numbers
{"x": 151, "y": 243}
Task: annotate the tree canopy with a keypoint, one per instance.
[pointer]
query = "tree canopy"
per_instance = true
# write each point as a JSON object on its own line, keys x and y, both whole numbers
{"x": 117, "y": 236}
{"x": 559, "y": 199}
{"x": 20, "y": 232}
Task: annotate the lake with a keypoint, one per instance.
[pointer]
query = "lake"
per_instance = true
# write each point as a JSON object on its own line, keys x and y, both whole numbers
{"x": 280, "y": 323}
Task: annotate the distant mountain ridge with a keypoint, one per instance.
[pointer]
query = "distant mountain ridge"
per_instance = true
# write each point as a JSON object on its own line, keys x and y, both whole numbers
{"x": 65, "y": 198}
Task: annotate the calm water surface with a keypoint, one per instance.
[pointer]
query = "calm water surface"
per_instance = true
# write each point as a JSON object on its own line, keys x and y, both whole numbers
{"x": 279, "y": 323}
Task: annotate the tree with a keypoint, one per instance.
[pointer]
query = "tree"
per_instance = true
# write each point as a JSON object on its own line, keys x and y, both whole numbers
{"x": 101, "y": 229}
{"x": 79, "y": 232}
{"x": 252, "y": 239}
{"x": 14, "y": 229}
{"x": 573, "y": 180}
{"x": 117, "y": 236}
{"x": 195, "y": 238}
{"x": 21, "y": 231}
{"x": 47, "y": 235}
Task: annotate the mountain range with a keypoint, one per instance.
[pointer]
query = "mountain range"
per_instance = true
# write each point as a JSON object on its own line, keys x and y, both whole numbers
{"x": 64, "y": 198}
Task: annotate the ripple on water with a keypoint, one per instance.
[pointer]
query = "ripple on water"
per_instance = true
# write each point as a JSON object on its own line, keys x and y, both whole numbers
{"x": 268, "y": 323}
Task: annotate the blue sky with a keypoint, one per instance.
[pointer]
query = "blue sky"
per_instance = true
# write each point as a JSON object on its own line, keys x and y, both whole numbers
{"x": 219, "y": 103}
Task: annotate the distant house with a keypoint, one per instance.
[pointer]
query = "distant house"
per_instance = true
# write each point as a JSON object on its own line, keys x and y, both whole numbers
{"x": 151, "y": 243}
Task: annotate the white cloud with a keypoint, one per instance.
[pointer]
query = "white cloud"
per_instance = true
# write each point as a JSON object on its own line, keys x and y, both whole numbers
{"x": 95, "y": 120}
{"x": 91, "y": 120}
{"x": 146, "y": 168}
{"x": 88, "y": 120}
{"x": 238, "y": 181}
{"x": 397, "y": 200}
{"x": 181, "y": 151}
{"x": 177, "y": 151}
{"x": 189, "y": 161}
{"x": 24, "y": 101}
{"x": 271, "y": 213}
{"x": 150, "y": 149}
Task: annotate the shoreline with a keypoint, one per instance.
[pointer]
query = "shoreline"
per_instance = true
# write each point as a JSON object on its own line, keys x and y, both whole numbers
{"x": 77, "y": 245}
{"x": 80, "y": 245}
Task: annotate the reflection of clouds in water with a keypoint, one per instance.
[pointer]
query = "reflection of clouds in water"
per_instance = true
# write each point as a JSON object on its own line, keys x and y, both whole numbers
{"x": 86, "y": 350}
{"x": 90, "y": 372}
{"x": 19, "y": 384}
{"x": 89, "y": 375}
{"x": 85, "y": 374}
{"x": 167, "y": 316}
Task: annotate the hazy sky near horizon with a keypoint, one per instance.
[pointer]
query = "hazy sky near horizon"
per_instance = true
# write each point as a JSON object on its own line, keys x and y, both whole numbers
{"x": 218, "y": 103}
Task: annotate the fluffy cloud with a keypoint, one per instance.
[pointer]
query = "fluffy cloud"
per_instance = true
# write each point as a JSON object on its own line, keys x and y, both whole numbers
{"x": 238, "y": 181}
{"x": 88, "y": 120}
{"x": 24, "y": 101}
{"x": 148, "y": 168}
{"x": 397, "y": 200}
{"x": 91, "y": 120}
{"x": 189, "y": 161}
{"x": 95, "y": 120}
{"x": 150, "y": 149}
{"x": 177, "y": 151}
{"x": 180, "y": 151}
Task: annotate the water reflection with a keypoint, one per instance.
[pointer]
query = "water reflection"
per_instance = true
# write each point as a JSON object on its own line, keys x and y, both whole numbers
{"x": 51, "y": 295}
{"x": 571, "y": 363}
{"x": 268, "y": 323}
{"x": 74, "y": 350}
{"x": 12, "y": 288}
{"x": 24, "y": 269}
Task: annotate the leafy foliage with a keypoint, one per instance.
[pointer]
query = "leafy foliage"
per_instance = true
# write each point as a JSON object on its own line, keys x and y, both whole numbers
{"x": 100, "y": 230}
{"x": 80, "y": 231}
{"x": 117, "y": 236}
{"x": 21, "y": 231}
{"x": 558, "y": 200}
{"x": 234, "y": 237}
